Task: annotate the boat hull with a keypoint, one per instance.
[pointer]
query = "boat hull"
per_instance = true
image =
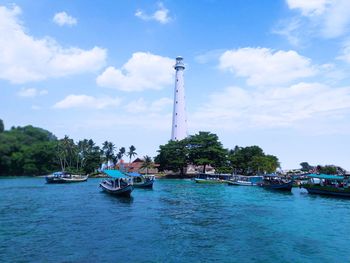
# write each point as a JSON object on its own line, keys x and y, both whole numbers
{"x": 147, "y": 184}
{"x": 209, "y": 181}
{"x": 324, "y": 190}
{"x": 280, "y": 187}
{"x": 241, "y": 183}
{"x": 124, "y": 191}
{"x": 58, "y": 180}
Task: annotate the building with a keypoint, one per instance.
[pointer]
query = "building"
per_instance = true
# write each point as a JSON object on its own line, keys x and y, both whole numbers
{"x": 136, "y": 166}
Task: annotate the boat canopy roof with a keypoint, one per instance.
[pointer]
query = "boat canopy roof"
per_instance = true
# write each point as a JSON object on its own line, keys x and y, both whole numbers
{"x": 115, "y": 173}
{"x": 326, "y": 176}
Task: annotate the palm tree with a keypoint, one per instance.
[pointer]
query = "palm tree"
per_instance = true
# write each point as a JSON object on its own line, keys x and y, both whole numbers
{"x": 83, "y": 149}
{"x": 61, "y": 154}
{"x": 131, "y": 153}
{"x": 108, "y": 151}
{"x": 147, "y": 163}
{"x": 65, "y": 150}
{"x": 121, "y": 152}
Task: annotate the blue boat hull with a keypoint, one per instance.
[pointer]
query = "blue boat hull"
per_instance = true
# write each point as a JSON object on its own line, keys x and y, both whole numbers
{"x": 124, "y": 191}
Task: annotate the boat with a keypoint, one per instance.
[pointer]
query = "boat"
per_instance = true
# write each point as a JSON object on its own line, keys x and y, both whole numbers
{"x": 142, "y": 180}
{"x": 119, "y": 184}
{"x": 204, "y": 178}
{"x": 273, "y": 182}
{"x": 325, "y": 184}
{"x": 245, "y": 180}
{"x": 64, "y": 177}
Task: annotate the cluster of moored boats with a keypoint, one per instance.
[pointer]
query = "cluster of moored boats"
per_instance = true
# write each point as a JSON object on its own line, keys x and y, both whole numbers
{"x": 123, "y": 183}
{"x": 119, "y": 183}
{"x": 323, "y": 184}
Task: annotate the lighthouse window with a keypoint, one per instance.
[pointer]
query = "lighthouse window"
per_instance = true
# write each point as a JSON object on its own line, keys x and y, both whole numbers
{"x": 175, "y": 126}
{"x": 177, "y": 90}
{"x": 176, "y": 113}
{"x": 176, "y": 102}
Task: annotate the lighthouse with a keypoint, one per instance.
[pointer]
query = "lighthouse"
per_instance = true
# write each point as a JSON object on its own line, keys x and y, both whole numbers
{"x": 179, "y": 127}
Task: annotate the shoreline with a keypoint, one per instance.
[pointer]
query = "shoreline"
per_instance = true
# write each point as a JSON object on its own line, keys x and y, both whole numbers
{"x": 157, "y": 176}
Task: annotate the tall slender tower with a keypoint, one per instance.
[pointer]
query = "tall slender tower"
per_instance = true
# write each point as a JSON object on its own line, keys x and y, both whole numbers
{"x": 179, "y": 128}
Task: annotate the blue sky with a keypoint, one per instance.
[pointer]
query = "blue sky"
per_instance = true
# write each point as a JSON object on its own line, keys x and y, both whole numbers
{"x": 267, "y": 73}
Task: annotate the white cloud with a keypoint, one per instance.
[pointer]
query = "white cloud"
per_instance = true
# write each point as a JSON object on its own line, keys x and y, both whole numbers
{"x": 136, "y": 106}
{"x": 85, "y": 101}
{"x": 329, "y": 18}
{"x": 31, "y": 92}
{"x": 24, "y": 58}
{"x": 337, "y": 19}
{"x": 161, "y": 15}
{"x": 142, "y": 71}
{"x": 263, "y": 66}
{"x": 309, "y": 7}
{"x": 62, "y": 18}
{"x": 162, "y": 103}
{"x": 235, "y": 108}
{"x": 290, "y": 29}
{"x": 141, "y": 106}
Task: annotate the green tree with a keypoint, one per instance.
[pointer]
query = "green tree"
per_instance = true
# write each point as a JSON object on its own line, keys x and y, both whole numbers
{"x": 2, "y": 127}
{"x": 66, "y": 153}
{"x": 27, "y": 151}
{"x": 147, "y": 163}
{"x": 305, "y": 166}
{"x": 93, "y": 157}
{"x": 206, "y": 149}
{"x": 131, "y": 153}
{"x": 252, "y": 160}
{"x": 108, "y": 151}
{"x": 327, "y": 169}
{"x": 173, "y": 156}
{"x": 121, "y": 153}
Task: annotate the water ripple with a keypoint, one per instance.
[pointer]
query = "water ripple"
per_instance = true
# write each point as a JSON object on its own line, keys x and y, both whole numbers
{"x": 177, "y": 221}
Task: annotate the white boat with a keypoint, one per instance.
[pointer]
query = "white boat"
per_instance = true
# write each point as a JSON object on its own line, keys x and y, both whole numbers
{"x": 246, "y": 180}
{"x": 64, "y": 177}
{"x": 203, "y": 178}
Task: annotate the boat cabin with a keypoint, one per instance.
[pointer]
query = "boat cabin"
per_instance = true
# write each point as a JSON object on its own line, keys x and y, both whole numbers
{"x": 214, "y": 176}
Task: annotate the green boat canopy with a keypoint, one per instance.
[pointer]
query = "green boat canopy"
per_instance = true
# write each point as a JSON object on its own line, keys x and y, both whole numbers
{"x": 326, "y": 176}
{"x": 115, "y": 173}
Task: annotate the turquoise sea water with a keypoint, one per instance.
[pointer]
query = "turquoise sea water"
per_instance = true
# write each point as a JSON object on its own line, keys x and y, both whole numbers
{"x": 177, "y": 221}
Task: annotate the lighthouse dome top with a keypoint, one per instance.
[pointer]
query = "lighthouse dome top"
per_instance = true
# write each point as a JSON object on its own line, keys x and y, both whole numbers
{"x": 179, "y": 63}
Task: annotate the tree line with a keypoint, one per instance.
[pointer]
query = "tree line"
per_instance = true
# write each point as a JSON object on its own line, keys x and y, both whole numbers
{"x": 30, "y": 150}
{"x": 322, "y": 169}
{"x": 205, "y": 149}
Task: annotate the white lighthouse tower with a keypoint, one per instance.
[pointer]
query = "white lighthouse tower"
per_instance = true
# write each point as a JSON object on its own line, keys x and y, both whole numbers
{"x": 179, "y": 128}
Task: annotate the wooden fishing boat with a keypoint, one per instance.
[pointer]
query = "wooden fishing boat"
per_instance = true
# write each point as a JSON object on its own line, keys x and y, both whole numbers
{"x": 203, "y": 178}
{"x": 272, "y": 182}
{"x": 64, "y": 177}
{"x": 325, "y": 184}
{"x": 118, "y": 185}
{"x": 241, "y": 180}
{"x": 142, "y": 180}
